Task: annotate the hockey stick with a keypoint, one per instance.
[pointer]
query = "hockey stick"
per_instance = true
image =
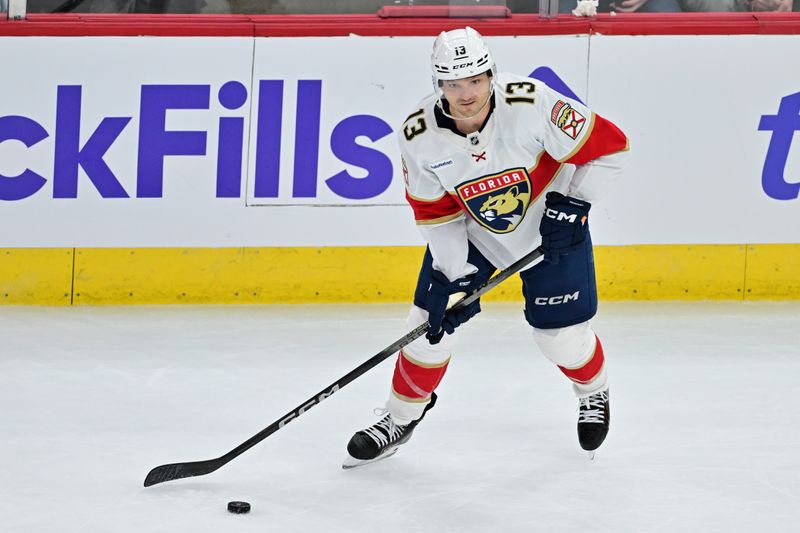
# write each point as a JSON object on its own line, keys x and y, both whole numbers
{"x": 172, "y": 471}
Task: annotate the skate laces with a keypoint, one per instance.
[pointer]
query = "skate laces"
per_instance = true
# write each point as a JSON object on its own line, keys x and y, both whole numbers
{"x": 593, "y": 408}
{"x": 385, "y": 431}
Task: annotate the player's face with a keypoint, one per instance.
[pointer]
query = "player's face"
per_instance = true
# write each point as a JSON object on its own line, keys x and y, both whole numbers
{"x": 467, "y": 95}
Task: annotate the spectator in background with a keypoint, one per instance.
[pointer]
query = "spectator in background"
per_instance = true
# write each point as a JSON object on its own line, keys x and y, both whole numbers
{"x": 639, "y": 6}
{"x": 124, "y": 6}
{"x": 279, "y": 7}
{"x": 764, "y": 5}
{"x": 708, "y": 6}
{"x": 738, "y": 5}
{"x": 604, "y": 6}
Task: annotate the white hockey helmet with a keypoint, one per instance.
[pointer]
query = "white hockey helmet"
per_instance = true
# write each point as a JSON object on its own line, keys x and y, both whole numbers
{"x": 460, "y": 53}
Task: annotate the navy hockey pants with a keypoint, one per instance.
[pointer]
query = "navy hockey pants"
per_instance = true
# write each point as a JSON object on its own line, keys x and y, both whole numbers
{"x": 564, "y": 294}
{"x": 556, "y": 296}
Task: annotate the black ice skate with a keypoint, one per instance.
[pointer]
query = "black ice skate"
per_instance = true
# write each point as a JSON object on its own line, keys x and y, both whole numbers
{"x": 593, "y": 420}
{"x": 380, "y": 440}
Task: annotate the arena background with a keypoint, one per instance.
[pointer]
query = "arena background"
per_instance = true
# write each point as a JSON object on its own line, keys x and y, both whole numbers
{"x": 252, "y": 159}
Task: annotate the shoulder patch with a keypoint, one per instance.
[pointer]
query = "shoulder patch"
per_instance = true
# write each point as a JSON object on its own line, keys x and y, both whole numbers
{"x": 567, "y": 119}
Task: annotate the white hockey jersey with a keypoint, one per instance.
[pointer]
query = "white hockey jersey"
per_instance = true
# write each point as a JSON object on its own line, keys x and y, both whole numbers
{"x": 489, "y": 187}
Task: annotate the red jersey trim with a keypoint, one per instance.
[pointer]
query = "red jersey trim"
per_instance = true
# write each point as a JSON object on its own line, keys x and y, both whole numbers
{"x": 542, "y": 174}
{"x": 603, "y": 138}
{"x": 437, "y": 211}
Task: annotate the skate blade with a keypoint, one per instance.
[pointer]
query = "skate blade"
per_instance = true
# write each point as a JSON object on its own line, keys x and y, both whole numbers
{"x": 591, "y": 454}
{"x": 352, "y": 462}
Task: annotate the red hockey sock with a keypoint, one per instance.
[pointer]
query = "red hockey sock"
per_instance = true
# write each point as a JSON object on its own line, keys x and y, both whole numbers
{"x": 415, "y": 381}
{"x": 588, "y": 370}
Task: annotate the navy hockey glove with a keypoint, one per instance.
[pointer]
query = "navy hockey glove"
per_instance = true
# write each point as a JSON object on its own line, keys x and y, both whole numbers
{"x": 562, "y": 225}
{"x": 440, "y": 322}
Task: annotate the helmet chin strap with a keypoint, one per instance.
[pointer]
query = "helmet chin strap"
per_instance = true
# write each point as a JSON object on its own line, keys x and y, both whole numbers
{"x": 478, "y": 112}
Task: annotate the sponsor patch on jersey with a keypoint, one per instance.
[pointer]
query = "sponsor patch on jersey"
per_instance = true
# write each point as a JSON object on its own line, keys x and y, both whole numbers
{"x": 442, "y": 164}
{"x": 567, "y": 119}
{"x": 498, "y": 202}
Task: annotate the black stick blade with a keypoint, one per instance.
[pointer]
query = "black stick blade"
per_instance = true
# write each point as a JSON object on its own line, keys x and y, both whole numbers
{"x": 172, "y": 471}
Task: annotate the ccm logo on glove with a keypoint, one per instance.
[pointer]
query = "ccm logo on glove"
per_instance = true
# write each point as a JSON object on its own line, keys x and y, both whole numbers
{"x": 560, "y": 215}
{"x": 563, "y": 226}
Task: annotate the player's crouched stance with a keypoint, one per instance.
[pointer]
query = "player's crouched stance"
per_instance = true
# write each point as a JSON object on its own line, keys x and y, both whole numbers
{"x": 484, "y": 161}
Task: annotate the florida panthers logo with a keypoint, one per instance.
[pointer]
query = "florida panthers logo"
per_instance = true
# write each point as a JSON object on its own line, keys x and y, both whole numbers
{"x": 497, "y": 202}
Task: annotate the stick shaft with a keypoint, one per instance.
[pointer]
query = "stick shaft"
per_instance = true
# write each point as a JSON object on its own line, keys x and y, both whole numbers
{"x": 172, "y": 471}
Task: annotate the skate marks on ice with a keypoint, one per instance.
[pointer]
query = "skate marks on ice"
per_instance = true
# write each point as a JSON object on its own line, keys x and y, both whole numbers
{"x": 95, "y": 397}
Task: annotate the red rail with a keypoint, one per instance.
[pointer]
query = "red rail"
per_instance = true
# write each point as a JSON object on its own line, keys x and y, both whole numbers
{"x": 374, "y": 25}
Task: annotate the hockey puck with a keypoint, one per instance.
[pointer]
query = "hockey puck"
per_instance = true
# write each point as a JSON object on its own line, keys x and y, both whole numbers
{"x": 239, "y": 507}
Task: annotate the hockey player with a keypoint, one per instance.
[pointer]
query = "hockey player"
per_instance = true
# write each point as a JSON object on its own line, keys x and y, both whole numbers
{"x": 495, "y": 165}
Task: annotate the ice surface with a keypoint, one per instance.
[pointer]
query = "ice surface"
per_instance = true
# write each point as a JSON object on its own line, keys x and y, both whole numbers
{"x": 704, "y": 431}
